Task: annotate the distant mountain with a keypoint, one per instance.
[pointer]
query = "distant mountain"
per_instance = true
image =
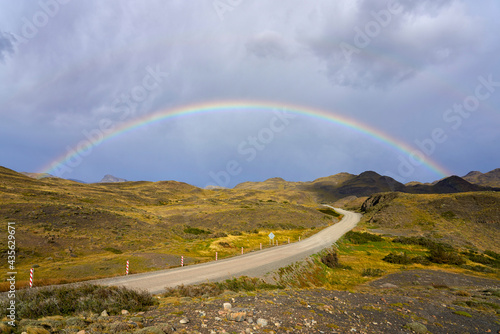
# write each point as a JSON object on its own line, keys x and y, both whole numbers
{"x": 275, "y": 183}
{"x": 490, "y": 179}
{"x": 111, "y": 179}
{"x": 335, "y": 187}
{"x": 38, "y": 175}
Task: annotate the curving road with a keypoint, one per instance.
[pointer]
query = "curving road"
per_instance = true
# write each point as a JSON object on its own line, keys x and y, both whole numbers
{"x": 251, "y": 264}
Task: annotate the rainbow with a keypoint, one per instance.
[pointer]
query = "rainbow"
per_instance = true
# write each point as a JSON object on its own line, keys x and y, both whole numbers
{"x": 221, "y": 106}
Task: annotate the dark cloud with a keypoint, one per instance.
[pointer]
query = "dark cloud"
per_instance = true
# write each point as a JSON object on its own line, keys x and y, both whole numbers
{"x": 6, "y": 45}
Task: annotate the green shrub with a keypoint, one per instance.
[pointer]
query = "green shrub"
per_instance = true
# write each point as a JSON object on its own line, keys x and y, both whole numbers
{"x": 330, "y": 259}
{"x": 242, "y": 283}
{"x": 71, "y": 299}
{"x": 442, "y": 255}
{"x": 478, "y": 268}
{"x": 421, "y": 241}
{"x": 113, "y": 250}
{"x": 361, "y": 237}
{"x": 494, "y": 255}
{"x": 482, "y": 259}
{"x": 195, "y": 231}
{"x": 403, "y": 258}
{"x": 372, "y": 272}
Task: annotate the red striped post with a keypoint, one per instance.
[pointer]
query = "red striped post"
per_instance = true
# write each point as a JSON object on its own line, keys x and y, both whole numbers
{"x": 216, "y": 256}
{"x": 241, "y": 250}
{"x": 126, "y": 271}
{"x": 31, "y": 277}
{"x": 261, "y": 246}
{"x": 182, "y": 261}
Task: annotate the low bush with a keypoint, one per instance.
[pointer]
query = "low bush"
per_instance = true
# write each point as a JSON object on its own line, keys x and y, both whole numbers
{"x": 442, "y": 255}
{"x": 330, "y": 259}
{"x": 361, "y": 237}
{"x": 494, "y": 255}
{"x": 482, "y": 259}
{"x": 372, "y": 272}
{"x": 421, "y": 241}
{"x": 113, "y": 250}
{"x": 403, "y": 258}
{"x": 71, "y": 299}
{"x": 195, "y": 231}
{"x": 212, "y": 289}
{"x": 478, "y": 268}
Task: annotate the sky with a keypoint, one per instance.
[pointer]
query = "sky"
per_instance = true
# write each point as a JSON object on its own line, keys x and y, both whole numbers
{"x": 219, "y": 92}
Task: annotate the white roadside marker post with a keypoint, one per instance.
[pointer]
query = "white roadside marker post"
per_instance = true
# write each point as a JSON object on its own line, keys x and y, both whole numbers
{"x": 31, "y": 277}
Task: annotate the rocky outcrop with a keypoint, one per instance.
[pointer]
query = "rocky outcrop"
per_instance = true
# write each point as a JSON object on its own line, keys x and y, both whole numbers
{"x": 111, "y": 179}
{"x": 376, "y": 199}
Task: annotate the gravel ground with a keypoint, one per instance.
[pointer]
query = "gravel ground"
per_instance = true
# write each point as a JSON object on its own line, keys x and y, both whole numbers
{"x": 420, "y": 301}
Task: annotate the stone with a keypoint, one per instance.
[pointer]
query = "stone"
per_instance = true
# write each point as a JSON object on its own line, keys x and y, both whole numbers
{"x": 184, "y": 321}
{"x": 417, "y": 327}
{"x": 236, "y": 316}
{"x": 262, "y": 322}
{"x": 81, "y": 332}
{"x": 389, "y": 286}
{"x": 227, "y": 306}
{"x": 125, "y": 312}
{"x": 104, "y": 314}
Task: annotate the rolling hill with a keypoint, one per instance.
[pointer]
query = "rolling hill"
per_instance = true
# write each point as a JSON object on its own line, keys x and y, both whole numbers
{"x": 73, "y": 229}
{"x": 490, "y": 179}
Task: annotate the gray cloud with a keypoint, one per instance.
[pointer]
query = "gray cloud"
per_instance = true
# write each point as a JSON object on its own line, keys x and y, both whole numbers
{"x": 64, "y": 80}
{"x": 268, "y": 44}
{"x": 6, "y": 45}
{"x": 371, "y": 43}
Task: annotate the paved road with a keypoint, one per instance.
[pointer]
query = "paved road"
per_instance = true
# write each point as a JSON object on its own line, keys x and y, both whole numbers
{"x": 256, "y": 263}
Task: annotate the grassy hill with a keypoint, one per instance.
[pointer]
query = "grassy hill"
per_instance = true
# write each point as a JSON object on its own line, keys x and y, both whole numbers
{"x": 470, "y": 220}
{"x": 490, "y": 179}
{"x": 76, "y": 230}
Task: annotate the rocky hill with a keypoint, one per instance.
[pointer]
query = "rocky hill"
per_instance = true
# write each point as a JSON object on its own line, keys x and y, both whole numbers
{"x": 111, "y": 179}
{"x": 337, "y": 187}
{"x": 490, "y": 179}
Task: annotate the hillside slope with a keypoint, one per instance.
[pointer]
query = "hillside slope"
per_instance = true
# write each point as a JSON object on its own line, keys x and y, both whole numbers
{"x": 469, "y": 220}
{"x": 490, "y": 179}
{"x": 62, "y": 221}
